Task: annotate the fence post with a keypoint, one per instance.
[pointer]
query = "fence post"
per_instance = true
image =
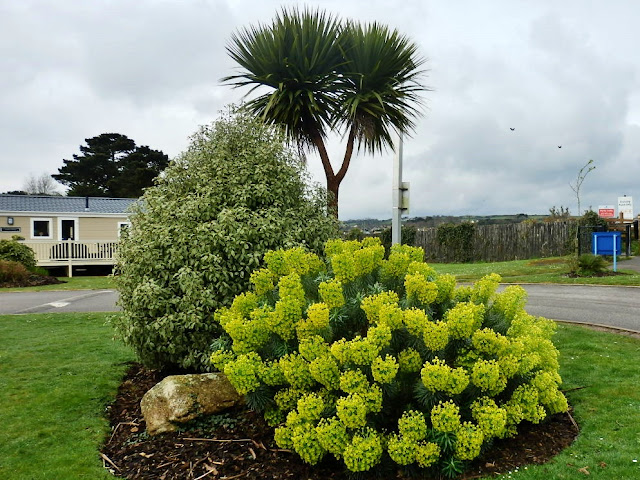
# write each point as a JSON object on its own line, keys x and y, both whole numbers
{"x": 70, "y": 257}
{"x": 579, "y": 239}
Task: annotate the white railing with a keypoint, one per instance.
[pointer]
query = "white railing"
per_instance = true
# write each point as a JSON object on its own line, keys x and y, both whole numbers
{"x": 49, "y": 253}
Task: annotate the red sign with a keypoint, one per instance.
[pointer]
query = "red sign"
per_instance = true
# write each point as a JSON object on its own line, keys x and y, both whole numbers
{"x": 607, "y": 212}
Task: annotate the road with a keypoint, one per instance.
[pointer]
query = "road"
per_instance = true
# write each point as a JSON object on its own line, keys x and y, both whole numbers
{"x": 58, "y": 301}
{"x": 600, "y": 305}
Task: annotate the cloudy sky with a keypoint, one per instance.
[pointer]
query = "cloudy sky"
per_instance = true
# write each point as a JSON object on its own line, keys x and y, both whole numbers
{"x": 560, "y": 72}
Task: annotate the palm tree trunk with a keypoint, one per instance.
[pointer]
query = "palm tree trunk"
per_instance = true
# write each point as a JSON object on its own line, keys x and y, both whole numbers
{"x": 333, "y": 183}
{"x": 347, "y": 154}
{"x": 334, "y": 180}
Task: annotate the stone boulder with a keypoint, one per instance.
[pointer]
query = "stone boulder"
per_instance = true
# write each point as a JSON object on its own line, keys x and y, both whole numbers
{"x": 180, "y": 398}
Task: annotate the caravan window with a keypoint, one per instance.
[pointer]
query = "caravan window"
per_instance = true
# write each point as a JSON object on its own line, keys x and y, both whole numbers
{"x": 41, "y": 228}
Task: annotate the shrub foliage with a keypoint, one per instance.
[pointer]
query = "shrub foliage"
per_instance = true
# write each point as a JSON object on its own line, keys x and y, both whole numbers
{"x": 458, "y": 239}
{"x": 407, "y": 237}
{"x": 14, "y": 251}
{"x": 11, "y": 272}
{"x": 195, "y": 237}
{"x": 384, "y": 361}
{"x": 587, "y": 265}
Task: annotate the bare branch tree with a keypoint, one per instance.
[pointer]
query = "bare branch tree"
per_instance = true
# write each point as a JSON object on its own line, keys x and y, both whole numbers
{"x": 581, "y": 176}
{"x": 42, "y": 185}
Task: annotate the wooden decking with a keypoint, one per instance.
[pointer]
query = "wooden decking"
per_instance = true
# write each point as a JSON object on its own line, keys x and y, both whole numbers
{"x": 70, "y": 253}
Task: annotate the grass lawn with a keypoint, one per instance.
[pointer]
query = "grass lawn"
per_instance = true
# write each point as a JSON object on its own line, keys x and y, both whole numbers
{"x": 58, "y": 371}
{"x": 601, "y": 377}
{"x": 546, "y": 270}
{"x": 73, "y": 283}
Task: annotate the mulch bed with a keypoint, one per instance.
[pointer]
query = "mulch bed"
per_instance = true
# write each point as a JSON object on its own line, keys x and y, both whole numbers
{"x": 34, "y": 280}
{"x": 239, "y": 445}
{"x": 608, "y": 273}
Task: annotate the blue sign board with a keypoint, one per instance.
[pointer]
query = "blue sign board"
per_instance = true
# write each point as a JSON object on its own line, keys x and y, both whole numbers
{"x": 607, "y": 243}
{"x": 603, "y": 243}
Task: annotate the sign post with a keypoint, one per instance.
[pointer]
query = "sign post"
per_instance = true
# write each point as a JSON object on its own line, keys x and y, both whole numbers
{"x": 606, "y": 243}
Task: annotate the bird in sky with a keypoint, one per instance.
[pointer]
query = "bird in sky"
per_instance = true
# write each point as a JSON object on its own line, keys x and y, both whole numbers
{"x": 559, "y": 146}
{"x": 512, "y": 129}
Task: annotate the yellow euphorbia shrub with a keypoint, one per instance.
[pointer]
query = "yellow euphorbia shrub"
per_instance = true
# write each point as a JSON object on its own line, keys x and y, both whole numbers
{"x": 356, "y": 356}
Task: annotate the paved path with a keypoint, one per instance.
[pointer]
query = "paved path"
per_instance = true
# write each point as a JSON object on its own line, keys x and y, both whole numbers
{"x": 632, "y": 263}
{"x": 601, "y": 305}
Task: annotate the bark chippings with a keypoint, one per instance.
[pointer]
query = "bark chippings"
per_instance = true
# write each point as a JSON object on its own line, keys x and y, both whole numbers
{"x": 240, "y": 445}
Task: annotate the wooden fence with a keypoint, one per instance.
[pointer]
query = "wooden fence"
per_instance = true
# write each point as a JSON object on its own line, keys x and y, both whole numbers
{"x": 496, "y": 243}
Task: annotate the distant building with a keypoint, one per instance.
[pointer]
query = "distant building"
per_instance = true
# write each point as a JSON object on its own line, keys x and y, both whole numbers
{"x": 66, "y": 231}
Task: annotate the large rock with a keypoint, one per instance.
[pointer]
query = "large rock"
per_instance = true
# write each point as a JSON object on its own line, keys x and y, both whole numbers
{"x": 181, "y": 398}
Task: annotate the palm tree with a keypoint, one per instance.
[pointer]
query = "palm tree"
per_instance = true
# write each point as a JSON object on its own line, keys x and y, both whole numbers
{"x": 324, "y": 75}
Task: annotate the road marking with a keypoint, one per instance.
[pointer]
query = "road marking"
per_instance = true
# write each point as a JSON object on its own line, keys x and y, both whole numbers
{"x": 58, "y": 304}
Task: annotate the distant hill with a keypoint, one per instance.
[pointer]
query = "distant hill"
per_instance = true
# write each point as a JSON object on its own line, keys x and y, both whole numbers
{"x": 372, "y": 225}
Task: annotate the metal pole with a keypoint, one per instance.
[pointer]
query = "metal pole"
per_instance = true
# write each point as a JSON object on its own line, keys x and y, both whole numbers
{"x": 396, "y": 211}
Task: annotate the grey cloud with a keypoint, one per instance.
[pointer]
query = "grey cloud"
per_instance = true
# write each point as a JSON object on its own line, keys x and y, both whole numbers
{"x": 561, "y": 73}
{"x": 157, "y": 50}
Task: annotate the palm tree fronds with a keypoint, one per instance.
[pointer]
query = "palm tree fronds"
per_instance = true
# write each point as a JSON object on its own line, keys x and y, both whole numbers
{"x": 324, "y": 75}
{"x": 381, "y": 84}
{"x": 296, "y": 58}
